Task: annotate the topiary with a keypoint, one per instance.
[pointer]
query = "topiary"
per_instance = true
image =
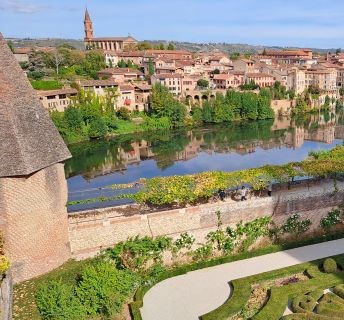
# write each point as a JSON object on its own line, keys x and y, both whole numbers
{"x": 330, "y": 265}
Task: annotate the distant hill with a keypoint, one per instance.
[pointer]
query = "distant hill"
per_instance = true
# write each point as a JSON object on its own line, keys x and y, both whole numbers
{"x": 193, "y": 47}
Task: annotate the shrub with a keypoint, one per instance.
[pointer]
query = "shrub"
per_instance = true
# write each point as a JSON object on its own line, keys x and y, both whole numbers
{"x": 294, "y": 225}
{"x": 103, "y": 289}
{"x": 4, "y": 264}
{"x": 123, "y": 113}
{"x": 296, "y": 304}
{"x": 57, "y": 301}
{"x": 330, "y": 265}
{"x": 331, "y": 219}
{"x": 36, "y": 75}
{"x": 98, "y": 128}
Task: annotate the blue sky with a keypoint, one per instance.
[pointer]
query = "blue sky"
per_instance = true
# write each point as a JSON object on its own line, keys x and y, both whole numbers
{"x": 303, "y": 23}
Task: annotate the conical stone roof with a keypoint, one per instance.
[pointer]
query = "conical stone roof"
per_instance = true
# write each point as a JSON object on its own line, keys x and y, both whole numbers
{"x": 29, "y": 140}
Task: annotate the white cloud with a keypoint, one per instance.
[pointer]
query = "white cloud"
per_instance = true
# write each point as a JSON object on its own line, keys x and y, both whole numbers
{"x": 20, "y": 6}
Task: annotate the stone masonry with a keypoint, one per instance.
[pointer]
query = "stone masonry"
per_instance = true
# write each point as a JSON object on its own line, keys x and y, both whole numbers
{"x": 34, "y": 221}
{"x": 91, "y": 231}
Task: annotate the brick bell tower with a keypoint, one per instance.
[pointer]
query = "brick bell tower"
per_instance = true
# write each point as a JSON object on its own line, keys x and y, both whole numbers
{"x": 88, "y": 27}
{"x": 33, "y": 188}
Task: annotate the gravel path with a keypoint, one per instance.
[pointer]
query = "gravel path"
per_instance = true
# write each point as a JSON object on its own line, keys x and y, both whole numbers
{"x": 189, "y": 296}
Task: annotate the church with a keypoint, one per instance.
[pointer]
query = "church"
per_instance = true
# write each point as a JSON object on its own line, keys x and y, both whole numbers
{"x": 110, "y": 44}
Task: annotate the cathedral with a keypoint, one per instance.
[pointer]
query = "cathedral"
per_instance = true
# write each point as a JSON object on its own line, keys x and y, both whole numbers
{"x": 109, "y": 44}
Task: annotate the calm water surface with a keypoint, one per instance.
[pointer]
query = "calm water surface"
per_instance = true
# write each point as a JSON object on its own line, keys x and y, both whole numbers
{"x": 224, "y": 147}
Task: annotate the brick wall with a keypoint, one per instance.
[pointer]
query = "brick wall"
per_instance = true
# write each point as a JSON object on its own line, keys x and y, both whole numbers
{"x": 91, "y": 231}
{"x": 34, "y": 221}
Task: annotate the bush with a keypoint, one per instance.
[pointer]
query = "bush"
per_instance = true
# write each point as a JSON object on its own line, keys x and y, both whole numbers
{"x": 4, "y": 264}
{"x": 330, "y": 265}
{"x": 123, "y": 113}
{"x": 331, "y": 219}
{"x": 98, "y": 128}
{"x": 103, "y": 289}
{"x": 36, "y": 75}
{"x": 57, "y": 301}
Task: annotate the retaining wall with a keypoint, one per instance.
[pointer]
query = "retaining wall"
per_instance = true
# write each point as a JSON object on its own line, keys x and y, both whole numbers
{"x": 91, "y": 231}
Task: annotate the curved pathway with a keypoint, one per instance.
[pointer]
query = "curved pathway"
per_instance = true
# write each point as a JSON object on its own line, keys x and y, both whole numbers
{"x": 188, "y": 296}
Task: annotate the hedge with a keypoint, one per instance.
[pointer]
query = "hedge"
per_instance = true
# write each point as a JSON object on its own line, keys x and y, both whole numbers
{"x": 138, "y": 298}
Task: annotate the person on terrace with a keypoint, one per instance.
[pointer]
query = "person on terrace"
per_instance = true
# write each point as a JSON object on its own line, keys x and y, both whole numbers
{"x": 222, "y": 194}
{"x": 243, "y": 193}
{"x": 270, "y": 189}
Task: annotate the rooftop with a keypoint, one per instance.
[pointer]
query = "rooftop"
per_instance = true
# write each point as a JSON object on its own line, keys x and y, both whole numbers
{"x": 28, "y": 138}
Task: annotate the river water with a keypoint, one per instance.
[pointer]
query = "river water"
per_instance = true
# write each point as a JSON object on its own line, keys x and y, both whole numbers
{"x": 229, "y": 147}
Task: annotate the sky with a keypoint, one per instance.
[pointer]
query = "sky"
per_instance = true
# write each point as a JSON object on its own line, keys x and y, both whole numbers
{"x": 300, "y": 23}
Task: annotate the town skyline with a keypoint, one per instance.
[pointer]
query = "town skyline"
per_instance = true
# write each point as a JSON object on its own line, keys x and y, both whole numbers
{"x": 298, "y": 24}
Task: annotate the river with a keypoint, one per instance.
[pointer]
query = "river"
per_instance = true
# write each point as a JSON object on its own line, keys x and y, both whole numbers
{"x": 126, "y": 159}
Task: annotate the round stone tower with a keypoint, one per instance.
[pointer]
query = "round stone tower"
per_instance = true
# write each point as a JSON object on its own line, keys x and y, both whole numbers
{"x": 33, "y": 190}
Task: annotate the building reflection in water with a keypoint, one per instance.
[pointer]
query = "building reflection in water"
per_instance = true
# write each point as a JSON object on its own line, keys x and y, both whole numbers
{"x": 104, "y": 157}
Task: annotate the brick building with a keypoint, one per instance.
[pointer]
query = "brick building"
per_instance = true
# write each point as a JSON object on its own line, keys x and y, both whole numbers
{"x": 33, "y": 188}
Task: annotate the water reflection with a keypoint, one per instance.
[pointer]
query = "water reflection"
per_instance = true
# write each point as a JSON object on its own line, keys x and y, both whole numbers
{"x": 227, "y": 147}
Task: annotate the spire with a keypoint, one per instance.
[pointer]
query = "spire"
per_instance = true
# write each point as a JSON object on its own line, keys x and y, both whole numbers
{"x": 87, "y": 15}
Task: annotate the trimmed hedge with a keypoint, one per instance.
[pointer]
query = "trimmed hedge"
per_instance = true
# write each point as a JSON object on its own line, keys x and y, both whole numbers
{"x": 339, "y": 290}
{"x": 138, "y": 298}
{"x": 330, "y": 265}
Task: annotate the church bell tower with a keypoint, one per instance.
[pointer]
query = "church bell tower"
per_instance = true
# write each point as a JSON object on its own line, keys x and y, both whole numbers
{"x": 88, "y": 27}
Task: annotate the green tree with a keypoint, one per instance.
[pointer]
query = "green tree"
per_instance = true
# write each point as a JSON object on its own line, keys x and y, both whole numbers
{"x": 121, "y": 64}
{"x": 170, "y": 46}
{"x": 163, "y": 104}
{"x": 73, "y": 118}
{"x": 161, "y": 46}
{"x": 150, "y": 67}
{"x": 98, "y": 128}
{"x": 123, "y": 113}
{"x": 207, "y": 113}
{"x": 202, "y": 83}
{"x": 145, "y": 45}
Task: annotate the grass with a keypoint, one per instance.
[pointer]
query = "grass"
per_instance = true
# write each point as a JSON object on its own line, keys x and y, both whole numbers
{"x": 46, "y": 84}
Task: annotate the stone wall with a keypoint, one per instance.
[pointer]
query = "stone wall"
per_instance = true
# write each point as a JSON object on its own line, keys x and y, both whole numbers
{"x": 91, "y": 231}
{"x": 34, "y": 221}
{"x": 6, "y": 301}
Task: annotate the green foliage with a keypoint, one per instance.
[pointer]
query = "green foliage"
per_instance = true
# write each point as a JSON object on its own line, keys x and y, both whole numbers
{"x": 330, "y": 265}
{"x": 136, "y": 253}
{"x": 331, "y": 219}
{"x": 151, "y": 68}
{"x": 45, "y": 84}
{"x": 35, "y": 75}
{"x": 123, "y": 113}
{"x": 202, "y": 83}
{"x": 293, "y": 225}
{"x": 98, "y": 128}
{"x": 170, "y": 46}
{"x": 73, "y": 118}
{"x": 10, "y": 45}
{"x": 103, "y": 289}
{"x": 57, "y": 301}
{"x": 165, "y": 105}
{"x": 249, "y": 85}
